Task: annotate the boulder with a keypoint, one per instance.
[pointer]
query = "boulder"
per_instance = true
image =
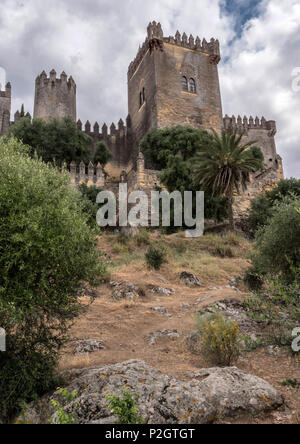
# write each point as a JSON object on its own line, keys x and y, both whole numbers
{"x": 124, "y": 290}
{"x": 167, "y": 332}
{"x": 86, "y": 346}
{"x": 189, "y": 279}
{"x": 161, "y": 398}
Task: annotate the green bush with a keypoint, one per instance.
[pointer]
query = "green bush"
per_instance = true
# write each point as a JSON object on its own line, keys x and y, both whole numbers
{"x": 90, "y": 207}
{"x": 125, "y": 408}
{"x": 155, "y": 257}
{"x": 262, "y": 207}
{"x": 277, "y": 248}
{"x": 219, "y": 338}
{"x": 61, "y": 416}
{"x": 142, "y": 238}
{"x": 47, "y": 251}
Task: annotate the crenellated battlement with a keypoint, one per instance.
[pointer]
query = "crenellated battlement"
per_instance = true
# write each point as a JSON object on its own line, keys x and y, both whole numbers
{"x": 155, "y": 40}
{"x": 119, "y": 131}
{"x": 245, "y": 124}
{"x": 7, "y": 92}
{"x": 54, "y": 81}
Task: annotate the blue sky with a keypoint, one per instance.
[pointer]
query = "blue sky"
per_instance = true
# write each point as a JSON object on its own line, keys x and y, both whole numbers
{"x": 242, "y": 11}
{"x": 95, "y": 40}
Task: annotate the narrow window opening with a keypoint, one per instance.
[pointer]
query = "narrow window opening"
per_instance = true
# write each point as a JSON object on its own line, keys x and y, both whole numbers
{"x": 192, "y": 86}
{"x": 184, "y": 84}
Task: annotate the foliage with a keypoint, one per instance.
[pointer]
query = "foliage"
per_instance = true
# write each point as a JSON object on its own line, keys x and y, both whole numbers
{"x": 223, "y": 166}
{"x": 125, "y": 407}
{"x": 277, "y": 308}
{"x": 277, "y": 248}
{"x": 46, "y": 251}
{"x": 262, "y": 207}
{"x": 155, "y": 257}
{"x": 102, "y": 154}
{"x": 219, "y": 338}
{"x": 172, "y": 150}
{"x": 61, "y": 416}
{"x": 90, "y": 207}
{"x": 142, "y": 238}
{"x": 54, "y": 141}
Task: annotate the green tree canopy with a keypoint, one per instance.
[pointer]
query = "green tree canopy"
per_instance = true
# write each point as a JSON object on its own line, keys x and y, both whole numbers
{"x": 223, "y": 166}
{"x": 46, "y": 251}
{"x": 102, "y": 154}
{"x": 172, "y": 150}
{"x": 57, "y": 140}
{"x": 262, "y": 207}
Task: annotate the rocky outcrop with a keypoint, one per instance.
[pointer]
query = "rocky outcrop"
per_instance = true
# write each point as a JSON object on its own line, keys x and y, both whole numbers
{"x": 161, "y": 399}
{"x": 189, "y": 279}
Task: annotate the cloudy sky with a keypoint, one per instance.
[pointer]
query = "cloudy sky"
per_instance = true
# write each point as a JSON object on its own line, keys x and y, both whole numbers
{"x": 95, "y": 40}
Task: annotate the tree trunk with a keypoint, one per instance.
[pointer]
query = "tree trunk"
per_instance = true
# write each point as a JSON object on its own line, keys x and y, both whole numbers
{"x": 230, "y": 213}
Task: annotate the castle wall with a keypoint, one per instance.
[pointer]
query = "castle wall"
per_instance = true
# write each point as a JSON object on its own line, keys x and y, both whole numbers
{"x": 158, "y": 70}
{"x": 202, "y": 109}
{"x": 5, "y": 109}
{"x": 54, "y": 97}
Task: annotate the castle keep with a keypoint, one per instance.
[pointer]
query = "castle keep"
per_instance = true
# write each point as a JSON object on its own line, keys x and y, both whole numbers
{"x": 172, "y": 81}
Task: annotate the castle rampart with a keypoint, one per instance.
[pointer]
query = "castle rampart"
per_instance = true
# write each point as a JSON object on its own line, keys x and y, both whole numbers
{"x": 5, "y": 109}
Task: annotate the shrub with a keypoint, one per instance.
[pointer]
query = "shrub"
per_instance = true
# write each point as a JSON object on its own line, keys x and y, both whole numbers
{"x": 61, "y": 416}
{"x": 277, "y": 249}
{"x": 253, "y": 279}
{"x": 47, "y": 251}
{"x": 142, "y": 238}
{"x": 155, "y": 257}
{"x": 262, "y": 207}
{"x": 219, "y": 338}
{"x": 90, "y": 207}
{"x": 125, "y": 408}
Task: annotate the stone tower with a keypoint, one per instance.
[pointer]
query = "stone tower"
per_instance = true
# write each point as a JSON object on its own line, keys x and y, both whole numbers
{"x": 54, "y": 97}
{"x": 5, "y": 109}
{"x": 174, "y": 81}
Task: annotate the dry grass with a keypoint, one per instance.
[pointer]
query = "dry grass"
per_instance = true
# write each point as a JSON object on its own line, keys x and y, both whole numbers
{"x": 124, "y": 327}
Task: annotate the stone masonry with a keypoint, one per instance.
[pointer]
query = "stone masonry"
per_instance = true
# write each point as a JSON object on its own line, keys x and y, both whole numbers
{"x": 172, "y": 81}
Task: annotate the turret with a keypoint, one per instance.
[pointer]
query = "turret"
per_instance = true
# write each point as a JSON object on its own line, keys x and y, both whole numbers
{"x": 55, "y": 97}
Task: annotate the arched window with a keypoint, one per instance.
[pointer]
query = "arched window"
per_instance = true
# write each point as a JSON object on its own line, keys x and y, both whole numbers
{"x": 184, "y": 84}
{"x": 192, "y": 86}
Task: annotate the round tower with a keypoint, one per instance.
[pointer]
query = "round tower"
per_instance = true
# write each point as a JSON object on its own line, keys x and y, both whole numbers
{"x": 5, "y": 109}
{"x": 54, "y": 97}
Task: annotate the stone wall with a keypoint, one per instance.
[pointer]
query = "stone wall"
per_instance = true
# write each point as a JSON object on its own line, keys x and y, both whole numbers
{"x": 54, "y": 97}
{"x": 5, "y": 109}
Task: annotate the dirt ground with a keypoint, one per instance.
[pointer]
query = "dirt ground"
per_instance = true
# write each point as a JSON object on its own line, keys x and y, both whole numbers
{"x": 124, "y": 327}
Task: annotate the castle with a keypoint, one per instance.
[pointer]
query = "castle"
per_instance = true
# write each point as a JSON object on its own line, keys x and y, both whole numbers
{"x": 172, "y": 81}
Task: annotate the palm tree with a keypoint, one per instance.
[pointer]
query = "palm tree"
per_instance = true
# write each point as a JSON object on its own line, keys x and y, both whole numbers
{"x": 224, "y": 166}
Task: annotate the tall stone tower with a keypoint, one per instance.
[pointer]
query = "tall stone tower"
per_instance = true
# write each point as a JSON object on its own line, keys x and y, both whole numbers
{"x": 174, "y": 81}
{"x": 54, "y": 97}
{"x": 5, "y": 109}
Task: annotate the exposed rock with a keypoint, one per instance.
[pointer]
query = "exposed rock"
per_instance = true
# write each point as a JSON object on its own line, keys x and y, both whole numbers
{"x": 189, "y": 279}
{"x": 193, "y": 342}
{"x": 86, "y": 346}
{"x": 236, "y": 311}
{"x": 167, "y": 332}
{"x": 161, "y": 399}
{"x": 231, "y": 390}
{"x": 123, "y": 290}
{"x": 162, "y": 290}
{"x": 89, "y": 291}
{"x": 162, "y": 310}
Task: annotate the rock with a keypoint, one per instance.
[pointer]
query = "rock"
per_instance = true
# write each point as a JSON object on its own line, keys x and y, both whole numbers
{"x": 236, "y": 311}
{"x": 274, "y": 350}
{"x": 89, "y": 291}
{"x": 193, "y": 342}
{"x": 189, "y": 279}
{"x": 167, "y": 332}
{"x": 162, "y": 290}
{"x": 231, "y": 390}
{"x": 162, "y": 310}
{"x": 185, "y": 305}
{"x": 161, "y": 398}
{"x": 86, "y": 346}
{"x": 203, "y": 299}
{"x": 123, "y": 290}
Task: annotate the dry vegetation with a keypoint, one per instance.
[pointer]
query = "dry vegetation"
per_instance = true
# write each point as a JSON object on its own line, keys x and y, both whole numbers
{"x": 124, "y": 327}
